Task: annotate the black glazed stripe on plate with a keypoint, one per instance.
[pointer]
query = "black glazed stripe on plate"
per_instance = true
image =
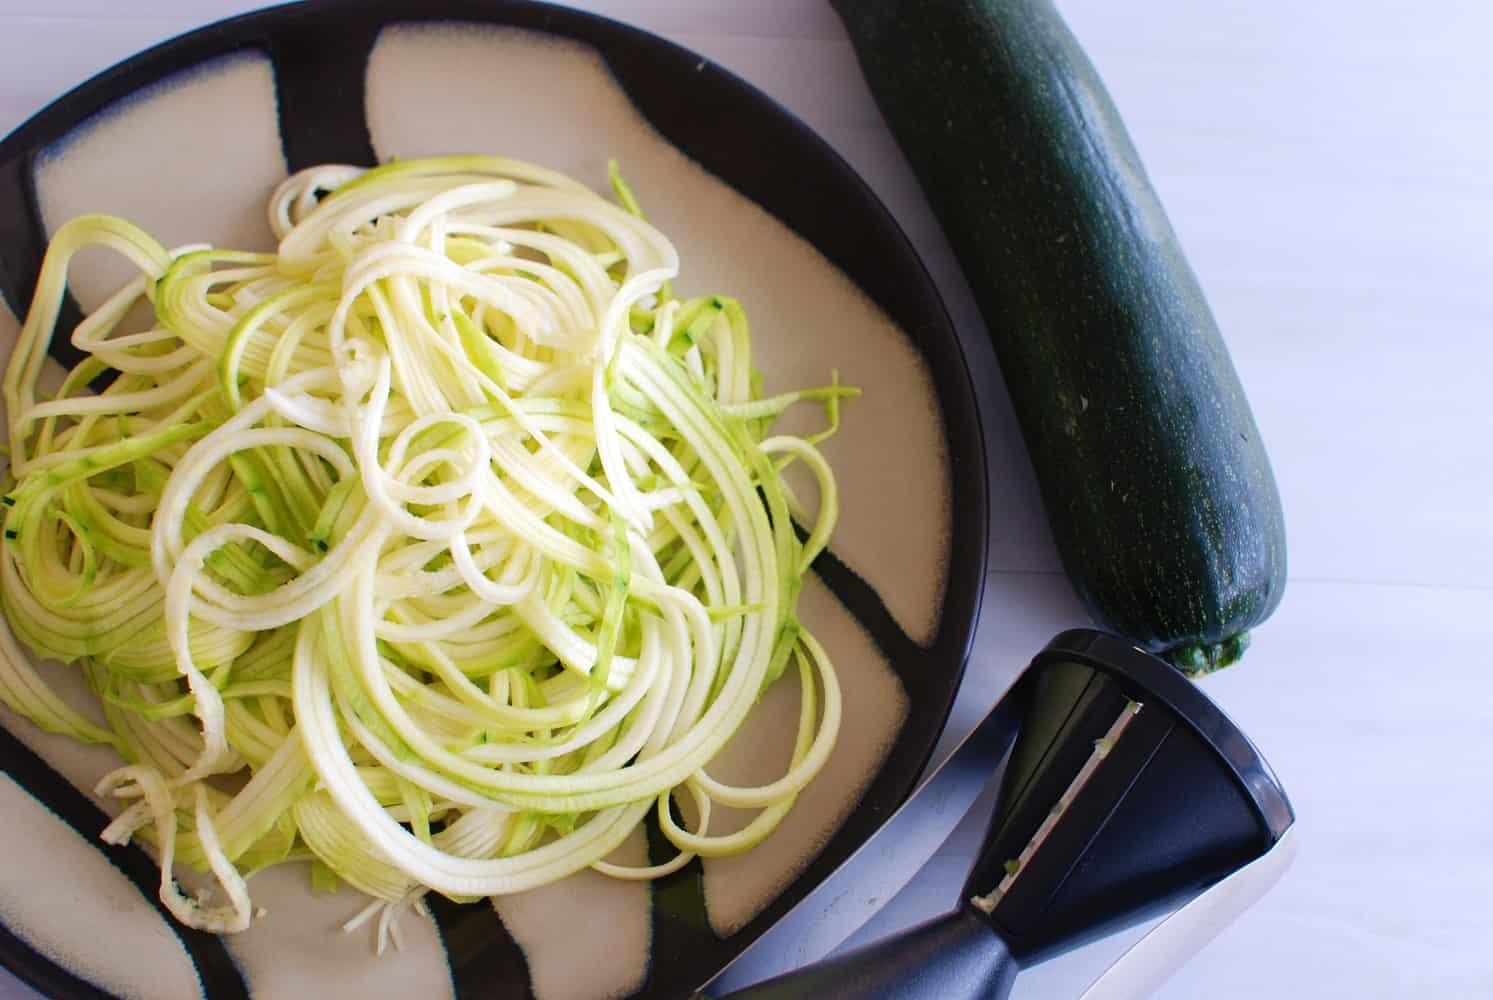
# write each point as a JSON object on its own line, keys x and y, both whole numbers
{"x": 321, "y": 70}
{"x": 219, "y": 975}
{"x": 764, "y": 153}
{"x": 681, "y": 924}
{"x": 484, "y": 959}
{"x": 23, "y": 242}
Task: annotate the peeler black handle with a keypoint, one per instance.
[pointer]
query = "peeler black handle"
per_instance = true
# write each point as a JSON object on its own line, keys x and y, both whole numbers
{"x": 958, "y": 956}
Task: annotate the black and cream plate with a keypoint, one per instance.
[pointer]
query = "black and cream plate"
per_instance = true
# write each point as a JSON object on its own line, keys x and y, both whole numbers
{"x": 187, "y": 140}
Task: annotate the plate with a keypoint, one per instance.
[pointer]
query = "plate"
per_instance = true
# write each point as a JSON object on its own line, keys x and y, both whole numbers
{"x": 188, "y": 137}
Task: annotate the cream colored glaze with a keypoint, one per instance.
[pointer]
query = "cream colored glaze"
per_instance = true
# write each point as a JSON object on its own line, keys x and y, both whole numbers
{"x": 299, "y": 941}
{"x": 57, "y": 884}
{"x": 191, "y": 159}
{"x": 587, "y": 937}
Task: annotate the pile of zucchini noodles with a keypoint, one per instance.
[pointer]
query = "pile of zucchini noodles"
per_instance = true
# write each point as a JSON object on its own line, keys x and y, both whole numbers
{"x": 436, "y": 548}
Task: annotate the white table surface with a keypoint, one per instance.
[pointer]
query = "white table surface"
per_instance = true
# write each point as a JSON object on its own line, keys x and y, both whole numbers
{"x": 1327, "y": 165}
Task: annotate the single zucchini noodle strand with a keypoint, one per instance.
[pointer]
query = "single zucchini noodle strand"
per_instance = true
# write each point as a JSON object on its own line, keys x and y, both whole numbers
{"x": 438, "y": 548}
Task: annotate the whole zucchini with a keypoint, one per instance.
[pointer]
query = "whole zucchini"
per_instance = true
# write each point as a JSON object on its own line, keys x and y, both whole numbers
{"x": 1153, "y": 474}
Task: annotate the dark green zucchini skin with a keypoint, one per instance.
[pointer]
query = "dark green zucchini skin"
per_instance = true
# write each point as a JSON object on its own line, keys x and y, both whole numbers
{"x": 1153, "y": 474}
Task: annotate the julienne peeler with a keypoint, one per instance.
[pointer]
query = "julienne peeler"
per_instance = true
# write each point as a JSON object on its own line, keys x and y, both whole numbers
{"x": 1126, "y": 793}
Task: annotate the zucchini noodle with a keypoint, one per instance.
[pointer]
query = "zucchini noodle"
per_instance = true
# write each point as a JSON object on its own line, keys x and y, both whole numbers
{"x": 438, "y": 548}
